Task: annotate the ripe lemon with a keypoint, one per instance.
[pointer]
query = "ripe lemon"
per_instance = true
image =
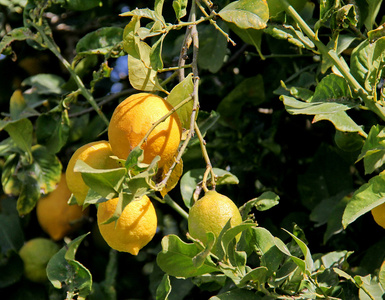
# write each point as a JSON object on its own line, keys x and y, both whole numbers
{"x": 55, "y": 216}
{"x": 378, "y": 214}
{"x": 95, "y": 154}
{"x": 134, "y": 229}
{"x": 35, "y": 254}
{"x": 131, "y": 121}
{"x": 210, "y": 214}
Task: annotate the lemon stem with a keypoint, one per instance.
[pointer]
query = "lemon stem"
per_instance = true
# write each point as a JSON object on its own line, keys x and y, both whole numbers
{"x": 175, "y": 206}
{"x": 209, "y": 167}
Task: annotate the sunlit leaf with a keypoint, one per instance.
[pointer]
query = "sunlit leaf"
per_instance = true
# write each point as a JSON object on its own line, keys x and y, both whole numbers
{"x": 106, "y": 182}
{"x": 180, "y": 8}
{"x": 246, "y": 13}
{"x": 180, "y": 92}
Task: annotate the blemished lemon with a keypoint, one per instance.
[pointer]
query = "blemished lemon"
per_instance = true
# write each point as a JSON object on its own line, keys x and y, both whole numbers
{"x": 378, "y": 214}
{"x": 55, "y": 216}
{"x": 210, "y": 214}
{"x": 35, "y": 254}
{"x": 95, "y": 154}
{"x": 135, "y": 227}
{"x": 132, "y": 119}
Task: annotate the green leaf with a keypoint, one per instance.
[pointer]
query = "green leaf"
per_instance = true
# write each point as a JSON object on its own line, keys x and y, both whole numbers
{"x": 296, "y": 107}
{"x": 180, "y": 92}
{"x": 331, "y": 173}
{"x": 45, "y": 83}
{"x": 156, "y": 54}
{"x": 20, "y": 132}
{"x": 140, "y": 72}
{"x": 16, "y": 34}
{"x": 190, "y": 179}
{"x": 373, "y": 10}
{"x": 264, "y": 202}
{"x": 180, "y": 8}
{"x": 212, "y": 47}
{"x": 11, "y": 268}
{"x": 237, "y": 294}
{"x": 332, "y": 88}
{"x": 341, "y": 121}
{"x": 65, "y": 272}
{"x": 46, "y": 167}
{"x": 246, "y": 13}
{"x": 368, "y": 286}
{"x": 164, "y": 288}
{"x": 29, "y": 194}
{"x": 143, "y": 13}
{"x": 367, "y": 197}
{"x": 52, "y": 130}
{"x": 158, "y": 7}
{"x": 229, "y": 235}
{"x": 373, "y": 150}
{"x": 176, "y": 258}
{"x": 329, "y": 211}
{"x": 100, "y": 41}
{"x": 263, "y": 243}
{"x": 290, "y": 34}
{"x": 250, "y": 36}
{"x": 106, "y": 182}
{"x": 11, "y": 232}
{"x": 257, "y": 276}
{"x": 17, "y": 105}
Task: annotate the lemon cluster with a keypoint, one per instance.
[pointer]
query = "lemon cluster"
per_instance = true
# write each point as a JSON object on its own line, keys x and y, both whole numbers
{"x": 130, "y": 122}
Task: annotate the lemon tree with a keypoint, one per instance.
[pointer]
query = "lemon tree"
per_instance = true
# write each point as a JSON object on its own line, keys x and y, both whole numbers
{"x": 159, "y": 113}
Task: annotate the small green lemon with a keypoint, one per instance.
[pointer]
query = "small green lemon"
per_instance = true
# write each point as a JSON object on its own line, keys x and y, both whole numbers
{"x": 35, "y": 254}
{"x": 210, "y": 214}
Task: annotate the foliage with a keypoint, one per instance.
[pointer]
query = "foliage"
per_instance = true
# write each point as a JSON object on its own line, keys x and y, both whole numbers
{"x": 251, "y": 82}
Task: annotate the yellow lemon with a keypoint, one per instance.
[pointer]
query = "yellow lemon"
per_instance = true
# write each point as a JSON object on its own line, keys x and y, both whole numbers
{"x": 131, "y": 121}
{"x": 134, "y": 229}
{"x": 55, "y": 216}
{"x": 378, "y": 214}
{"x": 35, "y": 255}
{"x": 95, "y": 154}
{"x": 210, "y": 214}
